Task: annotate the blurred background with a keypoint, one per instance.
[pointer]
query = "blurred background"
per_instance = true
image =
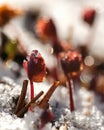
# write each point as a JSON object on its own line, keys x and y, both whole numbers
{"x": 67, "y": 17}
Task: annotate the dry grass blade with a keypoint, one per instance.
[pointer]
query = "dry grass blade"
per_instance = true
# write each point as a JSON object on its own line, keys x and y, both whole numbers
{"x": 44, "y": 103}
{"x": 21, "y": 100}
{"x": 24, "y": 109}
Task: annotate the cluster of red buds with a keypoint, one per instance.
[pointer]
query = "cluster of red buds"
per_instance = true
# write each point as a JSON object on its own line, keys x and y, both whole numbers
{"x": 71, "y": 62}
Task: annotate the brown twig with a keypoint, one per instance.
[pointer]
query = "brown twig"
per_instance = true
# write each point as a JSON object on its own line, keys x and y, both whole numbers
{"x": 44, "y": 102}
{"x": 24, "y": 109}
{"x": 21, "y": 99}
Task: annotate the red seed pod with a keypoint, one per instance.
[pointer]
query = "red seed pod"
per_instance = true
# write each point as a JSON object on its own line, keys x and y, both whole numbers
{"x": 35, "y": 67}
{"x": 89, "y": 15}
{"x": 46, "y": 29}
{"x": 71, "y": 61}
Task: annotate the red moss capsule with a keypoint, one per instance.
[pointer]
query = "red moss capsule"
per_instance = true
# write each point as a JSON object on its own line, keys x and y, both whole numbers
{"x": 46, "y": 29}
{"x": 89, "y": 15}
{"x": 71, "y": 62}
{"x": 35, "y": 67}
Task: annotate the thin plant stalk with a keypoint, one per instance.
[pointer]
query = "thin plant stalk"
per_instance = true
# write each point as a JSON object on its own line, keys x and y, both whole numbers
{"x": 70, "y": 87}
{"x": 31, "y": 90}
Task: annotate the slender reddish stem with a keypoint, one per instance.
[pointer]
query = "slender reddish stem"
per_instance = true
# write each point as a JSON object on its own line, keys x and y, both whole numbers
{"x": 31, "y": 90}
{"x": 70, "y": 86}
